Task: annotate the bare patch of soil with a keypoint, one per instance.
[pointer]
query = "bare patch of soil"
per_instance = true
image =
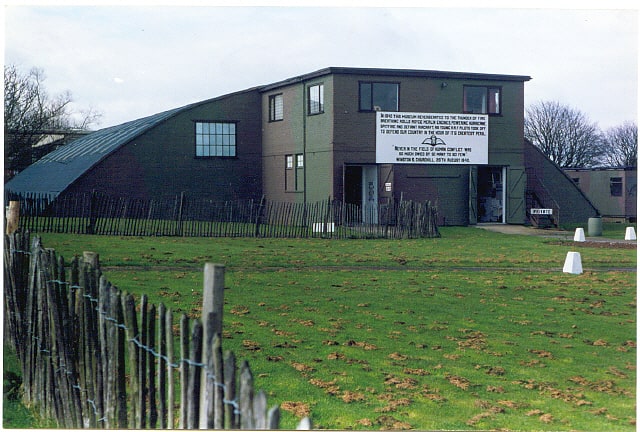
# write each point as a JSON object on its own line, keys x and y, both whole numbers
{"x": 596, "y": 244}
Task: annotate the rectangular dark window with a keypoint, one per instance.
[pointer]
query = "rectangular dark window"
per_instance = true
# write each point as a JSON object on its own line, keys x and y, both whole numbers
{"x": 615, "y": 184}
{"x": 276, "y": 108}
{"x": 482, "y": 100}
{"x": 379, "y": 96}
{"x": 215, "y": 139}
{"x": 316, "y": 99}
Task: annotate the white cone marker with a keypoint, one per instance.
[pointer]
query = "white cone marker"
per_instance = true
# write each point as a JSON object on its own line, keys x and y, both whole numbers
{"x": 630, "y": 234}
{"x": 573, "y": 263}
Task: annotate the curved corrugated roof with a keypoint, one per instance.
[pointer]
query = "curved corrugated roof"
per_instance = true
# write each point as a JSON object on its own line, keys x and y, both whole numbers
{"x": 57, "y": 170}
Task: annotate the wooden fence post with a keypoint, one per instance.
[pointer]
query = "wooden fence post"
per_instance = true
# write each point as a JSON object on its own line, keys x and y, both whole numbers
{"x": 212, "y": 305}
{"x": 91, "y": 226}
{"x": 170, "y": 383}
{"x": 195, "y": 375}
{"x": 151, "y": 343}
{"x": 13, "y": 217}
{"x": 259, "y": 216}
{"x": 162, "y": 372}
{"x": 179, "y": 211}
{"x": 246, "y": 397}
{"x": 184, "y": 371}
{"x": 118, "y": 382}
{"x": 142, "y": 366}
{"x": 131, "y": 323}
{"x": 229, "y": 367}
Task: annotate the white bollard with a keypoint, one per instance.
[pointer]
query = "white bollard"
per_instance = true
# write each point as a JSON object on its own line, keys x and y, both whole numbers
{"x": 579, "y": 235}
{"x": 630, "y": 234}
{"x": 573, "y": 263}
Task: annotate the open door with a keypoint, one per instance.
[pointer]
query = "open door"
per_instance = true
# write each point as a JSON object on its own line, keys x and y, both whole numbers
{"x": 491, "y": 194}
{"x": 370, "y": 194}
{"x": 361, "y": 189}
{"x": 353, "y": 184}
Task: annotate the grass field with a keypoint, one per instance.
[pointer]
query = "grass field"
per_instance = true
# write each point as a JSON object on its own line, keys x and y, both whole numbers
{"x": 474, "y": 330}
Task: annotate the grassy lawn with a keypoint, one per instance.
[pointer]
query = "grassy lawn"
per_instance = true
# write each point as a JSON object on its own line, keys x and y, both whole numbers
{"x": 14, "y": 413}
{"x": 474, "y": 330}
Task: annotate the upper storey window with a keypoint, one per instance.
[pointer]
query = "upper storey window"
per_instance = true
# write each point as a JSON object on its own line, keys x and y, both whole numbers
{"x": 482, "y": 100}
{"x": 379, "y": 96}
{"x": 276, "y": 108}
{"x": 215, "y": 139}
{"x": 316, "y": 99}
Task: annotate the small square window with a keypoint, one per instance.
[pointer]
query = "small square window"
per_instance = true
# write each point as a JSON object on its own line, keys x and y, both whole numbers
{"x": 276, "y": 108}
{"x": 481, "y": 100}
{"x": 615, "y": 185}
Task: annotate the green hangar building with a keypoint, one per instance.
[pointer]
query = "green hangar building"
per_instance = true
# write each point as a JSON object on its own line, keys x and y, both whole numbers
{"x": 358, "y": 135}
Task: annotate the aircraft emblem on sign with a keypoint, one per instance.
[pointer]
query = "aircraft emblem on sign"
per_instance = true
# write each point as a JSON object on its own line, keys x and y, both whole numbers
{"x": 433, "y": 141}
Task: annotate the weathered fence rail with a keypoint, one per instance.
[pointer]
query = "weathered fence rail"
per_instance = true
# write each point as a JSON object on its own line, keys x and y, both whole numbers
{"x": 94, "y": 358}
{"x": 94, "y": 213}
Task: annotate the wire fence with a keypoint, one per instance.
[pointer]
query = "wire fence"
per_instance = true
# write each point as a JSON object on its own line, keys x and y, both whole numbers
{"x": 93, "y": 358}
{"x": 182, "y": 215}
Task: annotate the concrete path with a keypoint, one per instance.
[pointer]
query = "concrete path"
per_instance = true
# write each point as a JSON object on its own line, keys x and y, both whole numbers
{"x": 551, "y": 233}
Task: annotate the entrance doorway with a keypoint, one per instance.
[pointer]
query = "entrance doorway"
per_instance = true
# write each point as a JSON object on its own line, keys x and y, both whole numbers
{"x": 491, "y": 194}
{"x": 361, "y": 189}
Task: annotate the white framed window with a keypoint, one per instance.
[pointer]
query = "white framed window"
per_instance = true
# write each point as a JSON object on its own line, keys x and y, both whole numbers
{"x": 215, "y": 139}
{"x": 300, "y": 160}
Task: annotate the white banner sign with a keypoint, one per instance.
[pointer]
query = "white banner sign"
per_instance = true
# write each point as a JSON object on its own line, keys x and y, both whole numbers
{"x": 432, "y": 138}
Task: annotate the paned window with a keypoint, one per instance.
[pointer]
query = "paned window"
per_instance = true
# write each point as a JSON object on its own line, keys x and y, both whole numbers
{"x": 276, "y": 108}
{"x": 379, "y": 96}
{"x": 615, "y": 184}
{"x": 215, "y": 139}
{"x": 299, "y": 160}
{"x": 289, "y": 174}
{"x": 481, "y": 100}
{"x": 316, "y": 99}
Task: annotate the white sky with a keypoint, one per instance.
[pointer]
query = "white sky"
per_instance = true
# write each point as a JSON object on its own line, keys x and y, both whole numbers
{"x": 129, "y": 62}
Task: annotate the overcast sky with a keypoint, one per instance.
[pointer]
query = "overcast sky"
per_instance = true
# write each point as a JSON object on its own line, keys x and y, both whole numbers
{"x": 129, "y": 62}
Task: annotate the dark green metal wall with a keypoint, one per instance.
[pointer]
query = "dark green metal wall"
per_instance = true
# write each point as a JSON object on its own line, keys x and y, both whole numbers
{"x": 162, "y": 161}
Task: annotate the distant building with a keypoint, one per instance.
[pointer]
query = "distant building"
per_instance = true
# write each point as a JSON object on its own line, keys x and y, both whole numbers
{"x": 44, "y": 142}
{"x": 614, "y": 191}
{"x": 361, "y": 136}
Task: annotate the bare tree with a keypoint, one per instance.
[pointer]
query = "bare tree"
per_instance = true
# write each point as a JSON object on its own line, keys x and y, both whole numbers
{"x": 621, "y": 145}
{"x": 30, "y": 113}
{"x": 564, "y": 134}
